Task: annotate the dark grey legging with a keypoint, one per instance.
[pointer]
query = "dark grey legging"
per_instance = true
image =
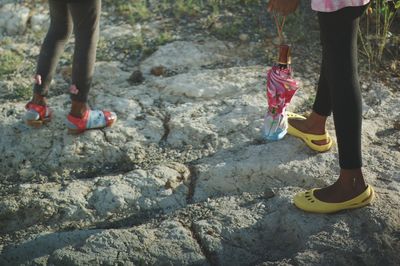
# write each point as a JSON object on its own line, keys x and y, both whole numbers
{"x": 83, "y": 17}
{"x": 338, "y": 88}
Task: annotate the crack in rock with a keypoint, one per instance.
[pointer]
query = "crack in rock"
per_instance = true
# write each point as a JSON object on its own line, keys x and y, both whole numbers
{"x": 211, "y": 257}
{"x": 167, "y": 130}
{"x": 192, "y": 185}
{"x": 145, "y": 217}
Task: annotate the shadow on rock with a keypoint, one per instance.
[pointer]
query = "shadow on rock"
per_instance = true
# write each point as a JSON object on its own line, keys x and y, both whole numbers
{"x": 42, "y": 246}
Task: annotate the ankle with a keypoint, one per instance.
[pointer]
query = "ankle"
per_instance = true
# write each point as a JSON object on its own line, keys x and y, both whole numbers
{"x": 78, "y": 109}
{"x": 39, "y": 99}
{"x": 352, "y": 179}
{"x": 316, "y": 122}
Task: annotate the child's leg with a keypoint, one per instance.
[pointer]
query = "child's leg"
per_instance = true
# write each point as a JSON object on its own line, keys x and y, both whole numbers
{"x": 53, "y": 46}
{"x": 86, "y": 17}
{"x": 60, "y": 28}
{"x": 339, "y": 41}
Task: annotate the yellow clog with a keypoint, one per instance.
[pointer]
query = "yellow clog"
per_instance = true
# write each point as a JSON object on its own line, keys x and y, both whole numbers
{"x": 309, "y": 138}
{"x": 308, "y": 202}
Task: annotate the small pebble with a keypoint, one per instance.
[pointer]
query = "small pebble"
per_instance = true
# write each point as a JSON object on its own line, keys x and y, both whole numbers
{"x": 244, "y": 37}
{"x": 158, "y": 71}
{"x": 136, "y": 77}
{"x": 269, "y": 193}
{"x": 396, "y": 124}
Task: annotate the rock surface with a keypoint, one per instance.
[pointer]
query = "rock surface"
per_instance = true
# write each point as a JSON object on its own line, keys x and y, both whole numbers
{"x": 184, "y": 177}
{"x": 13, "y": 19}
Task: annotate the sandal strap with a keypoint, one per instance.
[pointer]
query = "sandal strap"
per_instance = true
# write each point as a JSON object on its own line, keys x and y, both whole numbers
{"x": 44, "y": 111}
{"x": 78, "y": 122}
{"x": 313, "y": 137}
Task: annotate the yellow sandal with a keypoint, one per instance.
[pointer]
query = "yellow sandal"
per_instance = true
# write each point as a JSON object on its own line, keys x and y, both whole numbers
{"x": 308, "y": 202}
{"x": 309, "y": 138}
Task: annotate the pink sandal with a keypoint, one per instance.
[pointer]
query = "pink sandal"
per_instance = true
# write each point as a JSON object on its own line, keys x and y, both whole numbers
{"x": 92, "y": 119}
{"x": 36, "y": 115}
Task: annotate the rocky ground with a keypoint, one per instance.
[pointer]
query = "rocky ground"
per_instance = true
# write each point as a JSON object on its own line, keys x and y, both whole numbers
{"x": 184, "y": 177}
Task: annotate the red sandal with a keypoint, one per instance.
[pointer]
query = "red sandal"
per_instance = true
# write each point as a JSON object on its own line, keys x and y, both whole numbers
{"x": 92, "y": 119}
{"x": 36, "y": 115}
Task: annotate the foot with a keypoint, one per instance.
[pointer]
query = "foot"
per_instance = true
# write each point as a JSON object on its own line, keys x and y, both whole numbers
{"x": 313, "y": 124}
{"x": 307, "y": 201}
{"x": 91, "y": 119}
{"x": 349, "y": 185}
{"x": 37, "y": 111}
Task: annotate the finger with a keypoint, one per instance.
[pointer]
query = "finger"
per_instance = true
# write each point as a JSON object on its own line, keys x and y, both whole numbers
{"x": 270, "y": 6}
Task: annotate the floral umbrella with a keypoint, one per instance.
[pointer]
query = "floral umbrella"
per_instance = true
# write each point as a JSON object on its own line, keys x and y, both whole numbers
{"x": 281, "y": 88}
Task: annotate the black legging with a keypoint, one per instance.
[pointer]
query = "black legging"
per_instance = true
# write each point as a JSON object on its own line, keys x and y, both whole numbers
{"x": 338, "y": 88}
{"x": 84, "y": 17}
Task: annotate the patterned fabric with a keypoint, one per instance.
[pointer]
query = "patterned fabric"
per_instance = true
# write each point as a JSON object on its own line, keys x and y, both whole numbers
{"x": 96, "y": 119}
{"x": 92, "y": 119}
{"x": 281, "y": 88}
{"x": 334, "y": 5}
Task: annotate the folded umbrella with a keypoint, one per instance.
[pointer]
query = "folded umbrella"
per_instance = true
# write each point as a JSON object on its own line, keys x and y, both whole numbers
{"x": 281, "y": 87}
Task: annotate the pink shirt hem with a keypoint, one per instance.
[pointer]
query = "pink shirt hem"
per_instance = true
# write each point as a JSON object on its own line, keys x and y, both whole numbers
{"x": 334, "y": 5}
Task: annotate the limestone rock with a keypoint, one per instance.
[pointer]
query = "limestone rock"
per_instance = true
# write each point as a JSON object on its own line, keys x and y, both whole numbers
{"x": 245, "y": 230}
{"x": 13, "y": 19}
{"x": 182, "y": 55}
{"x": 111, "y": 32}
{"x": 253, "y": 165}
{"x": 169, "y": 242}
{"x": 210, "y": 84}
{"x": 40, "y": 22}
{"x": 184, "y": 176}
